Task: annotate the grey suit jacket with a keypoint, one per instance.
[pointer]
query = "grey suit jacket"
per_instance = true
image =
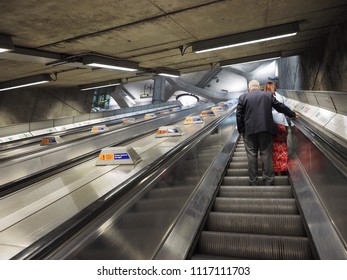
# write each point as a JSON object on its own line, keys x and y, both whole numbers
{"x": 253, "y": 113}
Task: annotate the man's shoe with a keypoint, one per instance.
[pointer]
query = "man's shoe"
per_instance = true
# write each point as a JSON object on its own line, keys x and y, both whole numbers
{"x": 269, "y": 182}
{"x": 254, "y": 183}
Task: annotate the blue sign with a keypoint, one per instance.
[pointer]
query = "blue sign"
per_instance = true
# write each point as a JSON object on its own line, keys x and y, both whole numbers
{"x": 121, "y": 156}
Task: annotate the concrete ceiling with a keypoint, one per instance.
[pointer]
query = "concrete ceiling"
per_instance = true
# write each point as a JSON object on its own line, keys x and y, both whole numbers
{"x": 51, "y": 36}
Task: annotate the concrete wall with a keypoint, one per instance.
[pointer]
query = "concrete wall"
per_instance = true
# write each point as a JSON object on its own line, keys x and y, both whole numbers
{"x": 323, "y": 67}
{"x": 37, "y": 104}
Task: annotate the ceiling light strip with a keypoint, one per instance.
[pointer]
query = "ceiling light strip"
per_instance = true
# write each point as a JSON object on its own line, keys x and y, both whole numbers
{"x": 25, "y": 82}
{"x": 111, "y": 67}
{"x": 168, "y": 75}
{"x": 248, "y": 42}
{"x": 109, "y": 63}
{"x": 245, "y": 38}
{"x": 2, "y": 50}
{"x": 101, "y": 86}
{"x": 167, "y": 72}
{"x": 24, "y": 85}
{"x": 6, "y": 44}
{"x": 104, "y": 84}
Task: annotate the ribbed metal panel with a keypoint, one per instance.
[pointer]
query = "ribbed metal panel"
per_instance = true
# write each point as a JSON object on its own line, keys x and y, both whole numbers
{"x": 250, "y": 246}
{"x": 290, "y": 225}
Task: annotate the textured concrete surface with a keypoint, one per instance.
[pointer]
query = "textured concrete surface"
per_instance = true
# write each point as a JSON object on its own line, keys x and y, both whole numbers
{"x": 323, "y": 67}
{"x": 30, "y": 105}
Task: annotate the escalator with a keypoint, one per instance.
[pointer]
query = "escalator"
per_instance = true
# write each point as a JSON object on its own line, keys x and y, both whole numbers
{"x": 252, "y": 222}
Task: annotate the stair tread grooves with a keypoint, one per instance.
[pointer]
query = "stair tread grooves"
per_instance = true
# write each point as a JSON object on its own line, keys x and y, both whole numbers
{"x": 211, "y": 257}
{"x": 274, "y": 224}
{"x": 254, "y": 199}
{"x": 253, "y": 235}
{"x": 253, "y": 222}
{"x": 254, "y": 246}
{"x": 256, "y": 191}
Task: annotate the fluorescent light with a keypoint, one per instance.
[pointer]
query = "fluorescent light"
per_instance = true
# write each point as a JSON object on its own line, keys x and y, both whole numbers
{"x": 168, "y": 73}
{"x": 25, "y": 85}
{"x": 252, "y": 58}
{"x": 6, "y": 44}
{"x": 249, "y": 37}
{"x": 110, "y": 63}
{"x": 4, "y": 50}
{"x": 246, "y": 43}
{"x": 25, "y": 82}
{"x": 110, "y": 67}
{"x": 99, "y": 85}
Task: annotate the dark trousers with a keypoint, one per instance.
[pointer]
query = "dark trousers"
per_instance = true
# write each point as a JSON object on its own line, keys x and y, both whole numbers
{"x": 262, "y": 143}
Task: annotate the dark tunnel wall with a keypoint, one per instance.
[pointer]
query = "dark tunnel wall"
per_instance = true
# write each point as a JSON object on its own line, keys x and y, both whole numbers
{"x": 321, "y": 68}
{"x": 37, "y": 104}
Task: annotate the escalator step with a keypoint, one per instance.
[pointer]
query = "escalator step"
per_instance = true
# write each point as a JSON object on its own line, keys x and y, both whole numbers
{"x": 239, "y": 172}
{"x": 242, "y": 164}
{"x": 240, "y": 154}
{"x": 256, "y": 191}
{"x": 250, "y": 246}
{"x": 210, "y": 257}
{"x": 238, "y": 165}
{"x": 239, "y": 159}
{"x": 288, "y": 225}
{"x": 255, "y": 205}
{"x": 243, "y": 181}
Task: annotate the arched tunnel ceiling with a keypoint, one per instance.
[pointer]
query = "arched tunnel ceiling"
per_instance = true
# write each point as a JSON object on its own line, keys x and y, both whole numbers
{"x": 153, "y": 33}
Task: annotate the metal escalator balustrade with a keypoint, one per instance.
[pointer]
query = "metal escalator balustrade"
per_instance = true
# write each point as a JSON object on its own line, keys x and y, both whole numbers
{"x": 252, "y": 222}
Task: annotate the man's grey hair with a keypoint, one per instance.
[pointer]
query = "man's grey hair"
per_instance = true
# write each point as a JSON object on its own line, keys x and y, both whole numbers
{"x": 253, "y": 83}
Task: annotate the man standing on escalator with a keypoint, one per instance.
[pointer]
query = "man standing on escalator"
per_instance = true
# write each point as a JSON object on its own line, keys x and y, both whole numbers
{"x": 255, "y": 123}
